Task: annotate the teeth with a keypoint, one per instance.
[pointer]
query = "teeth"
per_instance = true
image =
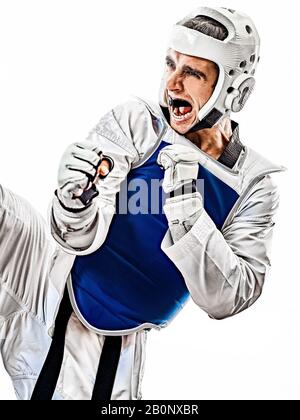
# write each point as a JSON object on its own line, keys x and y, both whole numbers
{"x": 181, "y": 117}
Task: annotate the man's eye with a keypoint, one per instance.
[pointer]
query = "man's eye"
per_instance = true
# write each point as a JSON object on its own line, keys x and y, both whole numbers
{"x": 170, "y": 64}
{"x": 192, "y": 73}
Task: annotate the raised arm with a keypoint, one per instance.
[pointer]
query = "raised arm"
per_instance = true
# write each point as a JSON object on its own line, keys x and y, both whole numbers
{"x": 117, "y": 135}
{"x": 223, "y": 270}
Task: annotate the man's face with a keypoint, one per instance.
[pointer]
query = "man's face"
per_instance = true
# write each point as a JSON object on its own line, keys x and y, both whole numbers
{"x": 190, "y": 83}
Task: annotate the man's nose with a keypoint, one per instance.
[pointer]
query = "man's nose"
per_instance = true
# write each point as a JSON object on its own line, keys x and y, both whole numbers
{"x": 174, "y": 81}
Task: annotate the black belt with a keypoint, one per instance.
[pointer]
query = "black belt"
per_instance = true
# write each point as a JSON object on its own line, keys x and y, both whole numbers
{"x": 107, "y": 368}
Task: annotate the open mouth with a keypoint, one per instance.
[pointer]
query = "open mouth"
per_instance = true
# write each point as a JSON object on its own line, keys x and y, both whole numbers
{"x": 181, "y": 109}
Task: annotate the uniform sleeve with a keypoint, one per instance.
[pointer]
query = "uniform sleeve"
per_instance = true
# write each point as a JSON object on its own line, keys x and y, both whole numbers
{"x": 121, "y": 133}
{"x": 225, "y": 271}
{"x": 26, "y": 248}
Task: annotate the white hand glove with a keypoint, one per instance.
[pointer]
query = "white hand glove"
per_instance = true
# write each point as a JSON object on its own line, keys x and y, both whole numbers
{"x": 77, "y": 170}
{"x": 181, "y": 165}
{"x": 182, "y": 213}
{"x": 181, "y": 208}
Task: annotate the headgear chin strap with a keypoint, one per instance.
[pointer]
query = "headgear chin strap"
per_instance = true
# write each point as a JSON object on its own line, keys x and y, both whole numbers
{"x": 236, "y": 57}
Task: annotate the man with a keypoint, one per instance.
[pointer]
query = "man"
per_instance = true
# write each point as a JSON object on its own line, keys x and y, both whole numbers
{"x": 130, "y": 266}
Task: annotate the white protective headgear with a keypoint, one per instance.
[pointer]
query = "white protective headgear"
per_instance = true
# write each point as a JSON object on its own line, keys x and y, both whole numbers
{"x": 236, "y": 57}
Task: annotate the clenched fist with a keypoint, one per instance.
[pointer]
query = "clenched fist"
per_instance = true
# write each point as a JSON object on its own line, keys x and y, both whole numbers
{"x": 80, "y": 166}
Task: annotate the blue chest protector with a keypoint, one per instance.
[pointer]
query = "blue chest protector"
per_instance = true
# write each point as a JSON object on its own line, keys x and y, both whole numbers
{"x": 129, "y": 281}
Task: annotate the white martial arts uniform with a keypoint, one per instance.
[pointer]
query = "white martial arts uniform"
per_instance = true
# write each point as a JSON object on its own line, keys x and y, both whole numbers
{"x": 223, "y": 267}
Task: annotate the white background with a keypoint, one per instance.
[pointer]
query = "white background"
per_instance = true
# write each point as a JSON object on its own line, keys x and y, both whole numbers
{"x": 64, "y": 63}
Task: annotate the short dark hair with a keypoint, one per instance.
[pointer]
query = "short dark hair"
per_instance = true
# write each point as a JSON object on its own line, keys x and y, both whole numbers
{"x": 207, "y": 26}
